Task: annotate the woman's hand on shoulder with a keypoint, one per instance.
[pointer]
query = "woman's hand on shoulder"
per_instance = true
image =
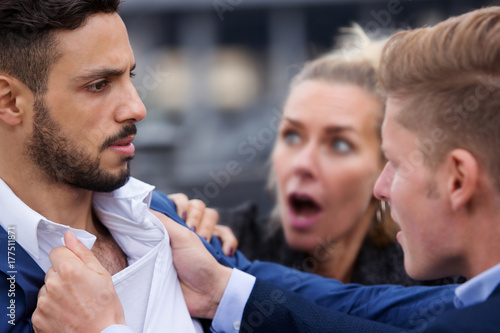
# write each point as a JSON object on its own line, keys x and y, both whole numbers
{"x": 203, "y": 220}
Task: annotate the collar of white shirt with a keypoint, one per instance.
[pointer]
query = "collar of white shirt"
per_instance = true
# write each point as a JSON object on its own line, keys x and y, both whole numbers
{"x": 477, "y": 289}
{"x": 33, "y": 231}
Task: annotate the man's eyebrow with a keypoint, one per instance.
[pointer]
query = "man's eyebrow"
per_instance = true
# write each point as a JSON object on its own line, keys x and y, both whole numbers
{"x": 96, "y": 73}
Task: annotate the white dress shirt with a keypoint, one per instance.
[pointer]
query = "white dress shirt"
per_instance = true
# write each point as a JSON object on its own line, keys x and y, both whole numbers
{"x": 148, "y": 288}
{"x": 228, "y": 316}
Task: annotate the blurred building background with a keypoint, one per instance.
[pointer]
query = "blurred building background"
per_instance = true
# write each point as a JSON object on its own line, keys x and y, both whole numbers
{"x": 213, "y": 75}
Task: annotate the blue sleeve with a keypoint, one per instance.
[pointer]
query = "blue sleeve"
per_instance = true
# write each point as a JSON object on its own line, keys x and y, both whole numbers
{"x": 272, "y": 309}
{"x": 405, "y": 307}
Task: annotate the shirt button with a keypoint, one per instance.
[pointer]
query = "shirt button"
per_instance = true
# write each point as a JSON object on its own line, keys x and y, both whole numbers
{"x": 236, "y": 325}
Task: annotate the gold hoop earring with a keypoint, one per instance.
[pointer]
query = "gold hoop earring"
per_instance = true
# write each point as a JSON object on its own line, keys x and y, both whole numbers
{"x": 381, "y": 211}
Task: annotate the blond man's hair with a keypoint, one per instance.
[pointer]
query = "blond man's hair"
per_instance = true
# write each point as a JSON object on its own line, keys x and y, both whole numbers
{"x": 448, "y": 77}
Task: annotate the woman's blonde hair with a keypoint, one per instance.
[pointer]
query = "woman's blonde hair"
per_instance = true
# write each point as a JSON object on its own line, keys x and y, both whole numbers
{"x": 356, "y": 62}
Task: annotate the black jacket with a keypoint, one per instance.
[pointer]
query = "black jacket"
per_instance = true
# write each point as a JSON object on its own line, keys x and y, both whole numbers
{"x": 259, "y": 239}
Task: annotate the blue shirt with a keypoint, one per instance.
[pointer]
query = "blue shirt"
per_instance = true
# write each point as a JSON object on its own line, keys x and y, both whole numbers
{"x": 477, "y": 289}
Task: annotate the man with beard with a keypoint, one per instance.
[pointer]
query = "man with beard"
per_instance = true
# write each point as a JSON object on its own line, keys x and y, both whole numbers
{"x": 67, "y": 121}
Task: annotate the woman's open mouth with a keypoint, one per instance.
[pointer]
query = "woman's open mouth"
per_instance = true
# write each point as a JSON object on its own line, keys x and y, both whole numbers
{"x": 303, "y": 210}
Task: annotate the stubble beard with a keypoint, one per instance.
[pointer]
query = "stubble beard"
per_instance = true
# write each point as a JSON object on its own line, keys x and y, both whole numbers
{"x": 65, "y": 162}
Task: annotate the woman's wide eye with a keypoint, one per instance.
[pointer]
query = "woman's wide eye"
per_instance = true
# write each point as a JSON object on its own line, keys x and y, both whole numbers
{"x": 291, "y": 137}
{"x": 341, "y": 146}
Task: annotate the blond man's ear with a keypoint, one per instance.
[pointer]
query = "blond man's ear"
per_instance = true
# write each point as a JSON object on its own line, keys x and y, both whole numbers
{"x": 463, "y": 179}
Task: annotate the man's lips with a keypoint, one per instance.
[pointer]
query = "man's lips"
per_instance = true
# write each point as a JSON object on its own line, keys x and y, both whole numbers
{"x": 124, "y": 146}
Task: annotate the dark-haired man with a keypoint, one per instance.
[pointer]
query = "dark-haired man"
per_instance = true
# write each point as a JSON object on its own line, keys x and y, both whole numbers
{"x": 67, "y": 121}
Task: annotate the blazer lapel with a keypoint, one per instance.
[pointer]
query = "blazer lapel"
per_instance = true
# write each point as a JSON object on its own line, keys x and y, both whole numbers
{"x": 19, "y": 269}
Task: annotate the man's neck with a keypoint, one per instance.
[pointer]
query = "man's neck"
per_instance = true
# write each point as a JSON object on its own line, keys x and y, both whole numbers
{"x": 56, "y": 202}
{"x": 481, "y": 222}
{"x": 72, "y": 206}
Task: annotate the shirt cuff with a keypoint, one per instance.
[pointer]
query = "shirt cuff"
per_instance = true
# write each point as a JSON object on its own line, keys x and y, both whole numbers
{"x": 117, "y": 329}
{"x": 228, "y": 316}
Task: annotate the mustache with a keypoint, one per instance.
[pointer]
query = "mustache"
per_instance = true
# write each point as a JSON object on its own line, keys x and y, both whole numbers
{"x": 125, "y": 132}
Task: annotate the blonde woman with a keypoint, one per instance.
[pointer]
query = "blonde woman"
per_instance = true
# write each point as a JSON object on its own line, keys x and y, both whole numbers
{"x": 325, "y": 162}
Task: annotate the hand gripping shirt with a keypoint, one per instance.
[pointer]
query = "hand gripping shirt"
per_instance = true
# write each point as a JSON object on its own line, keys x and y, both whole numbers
{"x": 148, "y": 288}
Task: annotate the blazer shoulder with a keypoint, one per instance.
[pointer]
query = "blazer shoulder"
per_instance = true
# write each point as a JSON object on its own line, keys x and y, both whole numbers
{"x": 482, "y": 317}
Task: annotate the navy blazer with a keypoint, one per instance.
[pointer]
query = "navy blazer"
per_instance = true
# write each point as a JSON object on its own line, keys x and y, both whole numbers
{"x": 482, "y": 317}
{"x": 399, "y": 306}
{"x": 20, "y": 280}
{"x": 270, "y": 309}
